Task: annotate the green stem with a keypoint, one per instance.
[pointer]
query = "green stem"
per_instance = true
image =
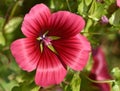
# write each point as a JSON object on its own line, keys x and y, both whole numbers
{"x": 87, "y": 27}
{"x": 101, "y": 81}
{"x": 14, "y": 9}
{"x": 9, "y": 17}
{"x": 95, "y": 33}
{"x": 91, "y": 33}
{"x": 98, "y": 81}
{"x": 68, "y": 5}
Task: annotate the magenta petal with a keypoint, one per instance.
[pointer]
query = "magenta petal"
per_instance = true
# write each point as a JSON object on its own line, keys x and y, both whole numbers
{"x": 73, "y": 51}
{"x": 65, "y": 24}
{"x": 36, "y": 21}
{"x": 26, "y": 52}
{"x": 104, "y": 87}
{"x": 100, "y": 66}
{"x": 99, "y": 69}
{"x": 50, "y": 70}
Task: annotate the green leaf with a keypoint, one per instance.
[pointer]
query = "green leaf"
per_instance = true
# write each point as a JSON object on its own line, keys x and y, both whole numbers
{"x": 115, "y": 18}
{"x": 83, "y": 8}
{"x": 13, "y": 24}
{"x": 8, "y": 85}
{"x": 116, "y": 72}
{"x": 16, "y": 88}
{"x": 96, "y": 10}
{"x": 2, "y": 39}
{"x": 73, "y": 82}
{"x": 27, "y": 83}
{"x": 56, "y": 5}
{"x": 23, "y": 87}
{"x": 2, "y": 20}
{"x": 116, "y": 87}
{"x": 88, "y": 25}
{"x": 88, "y": 2}
{"x": 116, "y": 75}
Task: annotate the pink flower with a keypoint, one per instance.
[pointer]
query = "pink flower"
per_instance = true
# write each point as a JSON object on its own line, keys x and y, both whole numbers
{"x": 53, "y": 42}
{"x": 99, "y": 70}
{"x": 118, "y": 3}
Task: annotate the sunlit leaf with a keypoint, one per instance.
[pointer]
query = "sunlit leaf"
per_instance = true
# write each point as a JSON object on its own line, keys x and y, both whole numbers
{"x": 82, "y": 8}
{"x": 115, "y": 18}
{"x": 116, "y": 73}
{"x": 74, "y": 82}
{"x": 13, "y": 24}
{"x": 96, "y": 10}
{"x": 88, "y": 2}
{"x": 116, "y": 87}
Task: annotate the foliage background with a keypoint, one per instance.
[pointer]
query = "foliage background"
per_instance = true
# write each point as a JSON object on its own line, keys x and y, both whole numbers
{"x": 106, "y": 34}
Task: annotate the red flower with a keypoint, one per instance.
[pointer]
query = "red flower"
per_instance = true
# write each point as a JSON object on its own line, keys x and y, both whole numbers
{"x": 52, "y": 42}
{"x": 99, "y": 70}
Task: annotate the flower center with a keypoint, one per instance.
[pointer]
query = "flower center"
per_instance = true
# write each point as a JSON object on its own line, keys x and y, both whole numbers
{"x": 46, "y": 40}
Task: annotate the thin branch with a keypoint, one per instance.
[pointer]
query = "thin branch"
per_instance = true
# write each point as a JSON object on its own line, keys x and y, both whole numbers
{"x": 68, "y": 5}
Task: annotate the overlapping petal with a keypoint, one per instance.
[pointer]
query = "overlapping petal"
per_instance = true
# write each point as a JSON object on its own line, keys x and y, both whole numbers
{"x": 50, "y": 69}
{"x": 26, "y": 52}
{"x": 36, "y": 21}
{"x": 73, "y": 51}
{"x": 65, "y": 24}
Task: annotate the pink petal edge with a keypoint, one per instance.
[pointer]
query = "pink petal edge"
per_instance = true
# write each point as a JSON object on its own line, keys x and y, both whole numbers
{"x": 35, "y": 22}
{"x": 65, "y": 24}
{"x": 26, "y": 52}
{"x": 73, "y": 51}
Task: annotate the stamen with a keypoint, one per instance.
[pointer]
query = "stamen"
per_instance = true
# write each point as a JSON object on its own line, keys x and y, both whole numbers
{"x": 39, "y": 38}
{"x": 54, "y": 37}
{"x": 52, "y": 49}
{"x": 46, "y": 41}
{"x": 41, "y": 47}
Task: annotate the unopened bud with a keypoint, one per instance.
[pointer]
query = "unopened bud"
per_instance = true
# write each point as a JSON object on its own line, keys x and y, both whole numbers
{"x": 104, "y": 20}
